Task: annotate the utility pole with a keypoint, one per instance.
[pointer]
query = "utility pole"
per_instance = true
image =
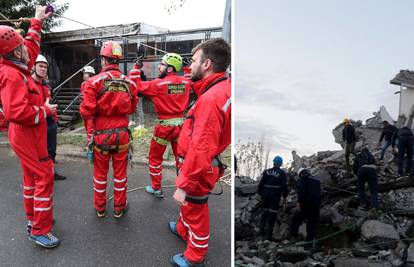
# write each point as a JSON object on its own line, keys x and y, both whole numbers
{"x": 226, "y": 33}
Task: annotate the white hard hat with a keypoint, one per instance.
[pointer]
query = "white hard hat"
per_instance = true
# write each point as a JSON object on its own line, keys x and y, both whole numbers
{"x": 89, "y": 69}
{"x": 41, "y": 58}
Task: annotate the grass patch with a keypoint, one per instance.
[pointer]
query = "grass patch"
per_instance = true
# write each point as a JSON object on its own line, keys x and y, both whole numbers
{"x": 71, "y": 139}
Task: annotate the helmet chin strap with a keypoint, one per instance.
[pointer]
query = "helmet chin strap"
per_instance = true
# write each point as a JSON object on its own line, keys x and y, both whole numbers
{"x": 21, "y": 55}
{"x": 38, "y": 76}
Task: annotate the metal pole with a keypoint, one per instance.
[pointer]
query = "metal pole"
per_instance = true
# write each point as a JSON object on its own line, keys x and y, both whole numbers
{"x": 57, "y": 88}
{"x": 226, "y": 33}
{"x": 71, "y": 103}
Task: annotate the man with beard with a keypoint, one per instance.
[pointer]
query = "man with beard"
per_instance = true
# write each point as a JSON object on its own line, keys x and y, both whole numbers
{"x": 205, "y": 134}
{"x": 39, "y": 76}
{"x": 170, "y": 94}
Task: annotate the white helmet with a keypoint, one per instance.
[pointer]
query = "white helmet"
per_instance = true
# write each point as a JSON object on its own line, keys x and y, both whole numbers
{"x": 89, "y": 69}
{"x": 41, "y": 58}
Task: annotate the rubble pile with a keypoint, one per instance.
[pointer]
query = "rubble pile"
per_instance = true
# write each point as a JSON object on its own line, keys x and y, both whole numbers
{"x": 348, "y": 235}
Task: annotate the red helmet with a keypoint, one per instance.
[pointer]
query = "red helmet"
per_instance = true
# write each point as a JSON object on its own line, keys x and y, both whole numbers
{"x": 9, "y": 40}
{"x": 111, "y": 49}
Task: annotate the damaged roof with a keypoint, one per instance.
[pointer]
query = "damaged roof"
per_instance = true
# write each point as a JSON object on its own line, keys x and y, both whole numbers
{"x": 103, "y": 32}
{"x": 404, "y": 78}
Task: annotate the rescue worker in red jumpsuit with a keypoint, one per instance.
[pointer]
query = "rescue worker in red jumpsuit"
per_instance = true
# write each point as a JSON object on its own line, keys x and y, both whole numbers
{"x": 109, "y": 98}
{"x": 88, "y": 72}
{"x": 39, "y": 76}
{"x": 205, "y": 134}
{"x": 3, "y": 122}
{"x": 170, "y": 94}
{"x": 26, "y": 111}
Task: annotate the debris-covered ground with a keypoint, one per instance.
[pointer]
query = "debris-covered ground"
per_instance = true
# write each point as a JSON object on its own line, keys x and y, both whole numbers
{"x": 348, "y": 235}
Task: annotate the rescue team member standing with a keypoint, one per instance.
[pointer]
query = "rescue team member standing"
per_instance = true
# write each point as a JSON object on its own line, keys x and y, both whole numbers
{"x": 39, "y": 76}
{"x": 349, "y": 138}
{"x": 387, "y": 133}
{"x": 405, "y": 139}
{"x": 170, "y": 94}
{"x": 88, "y": 72}
{"x": 309, "y": 202}
{"x": 272, "y": 186}
{"x": 109, "y": 98}
{"x": 26, "y": 110}
{"x": 206, "y": 133}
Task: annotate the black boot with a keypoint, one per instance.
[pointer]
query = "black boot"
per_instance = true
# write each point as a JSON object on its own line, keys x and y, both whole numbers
{"x": 269, "y": 232}
{"x": 59, "y": 177}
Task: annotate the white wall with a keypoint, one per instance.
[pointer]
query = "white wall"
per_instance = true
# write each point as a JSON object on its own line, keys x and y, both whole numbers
{"x": 406, "y": 101}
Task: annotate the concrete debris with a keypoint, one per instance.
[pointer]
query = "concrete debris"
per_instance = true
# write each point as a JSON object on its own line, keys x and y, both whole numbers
{"x": 410, "y": 253}
{"x": 376, "y": 232}
{"x": 348, "y": 234}
{"x": 359, "y": 262}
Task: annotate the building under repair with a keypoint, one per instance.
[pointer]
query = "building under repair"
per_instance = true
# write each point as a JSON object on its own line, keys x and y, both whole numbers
{"x": 348, "y": 235}
{"x": 67, "y": 52}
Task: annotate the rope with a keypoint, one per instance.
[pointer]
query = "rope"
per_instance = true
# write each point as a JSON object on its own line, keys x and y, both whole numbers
{"x": 165, "y": 186}
{"x": 143, "y": 187}
{"x": 340, "y": 189}
{"x": 81, "y": 23}
{"x": 57, "y": 88}
{"x": 102, "y": 30}
{"x": 302, "y": 243}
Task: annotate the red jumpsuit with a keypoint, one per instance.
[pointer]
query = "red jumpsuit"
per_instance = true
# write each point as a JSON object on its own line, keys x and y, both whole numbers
{"x": 3, "y": 122}
{"x": 170, "y": 96}
{"x": 205, "y": 134}
{"x": 44, "y": 90}
{"x": 24, "y": 108}
{"x": 109, "y": 98}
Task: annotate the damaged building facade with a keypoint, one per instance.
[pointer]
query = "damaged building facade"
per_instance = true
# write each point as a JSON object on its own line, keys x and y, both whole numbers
{"x": 405, "y": 80}
{"x": 69, "y": 51}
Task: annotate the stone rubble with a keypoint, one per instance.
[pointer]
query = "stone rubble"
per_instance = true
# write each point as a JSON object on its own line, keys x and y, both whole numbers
{"x": 354, "y": 236}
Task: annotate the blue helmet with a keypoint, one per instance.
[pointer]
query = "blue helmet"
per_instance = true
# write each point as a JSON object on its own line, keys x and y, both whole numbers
{"x": 278, "y": 161}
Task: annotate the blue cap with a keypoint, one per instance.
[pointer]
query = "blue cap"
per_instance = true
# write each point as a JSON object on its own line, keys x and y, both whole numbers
{"x": 278, "y": 161}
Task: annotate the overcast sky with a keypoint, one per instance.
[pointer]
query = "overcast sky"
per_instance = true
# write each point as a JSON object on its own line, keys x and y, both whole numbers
{"x": 303, "y": 66}
{"x": 193, "y": 13}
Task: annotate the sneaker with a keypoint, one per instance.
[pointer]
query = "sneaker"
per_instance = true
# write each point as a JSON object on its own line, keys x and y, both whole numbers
{"x": 59, "y": 177}
{"x": 179, "y": 260}
{"x": 101, "y": 214}
{"x": 155, "y": 193}
{"x": 29, "y": 227}
{"x": 119, "y": 214}
{"x": 47, "y": 240}
{"x": 173, "y": 228}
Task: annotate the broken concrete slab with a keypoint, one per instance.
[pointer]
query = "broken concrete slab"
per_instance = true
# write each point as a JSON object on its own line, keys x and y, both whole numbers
{"x": 294, "y": 254}
{"x": 410, "y": 253}
{"x": 248, "y": 189}
{"x": 379, "y": 117}
{"x": 360, "y": 262}
{"x": 375, "y": 232}
{"x": 361, "y": 249}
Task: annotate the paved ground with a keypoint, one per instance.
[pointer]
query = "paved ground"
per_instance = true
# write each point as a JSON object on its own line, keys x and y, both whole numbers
{"x": 141, "y": 238}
